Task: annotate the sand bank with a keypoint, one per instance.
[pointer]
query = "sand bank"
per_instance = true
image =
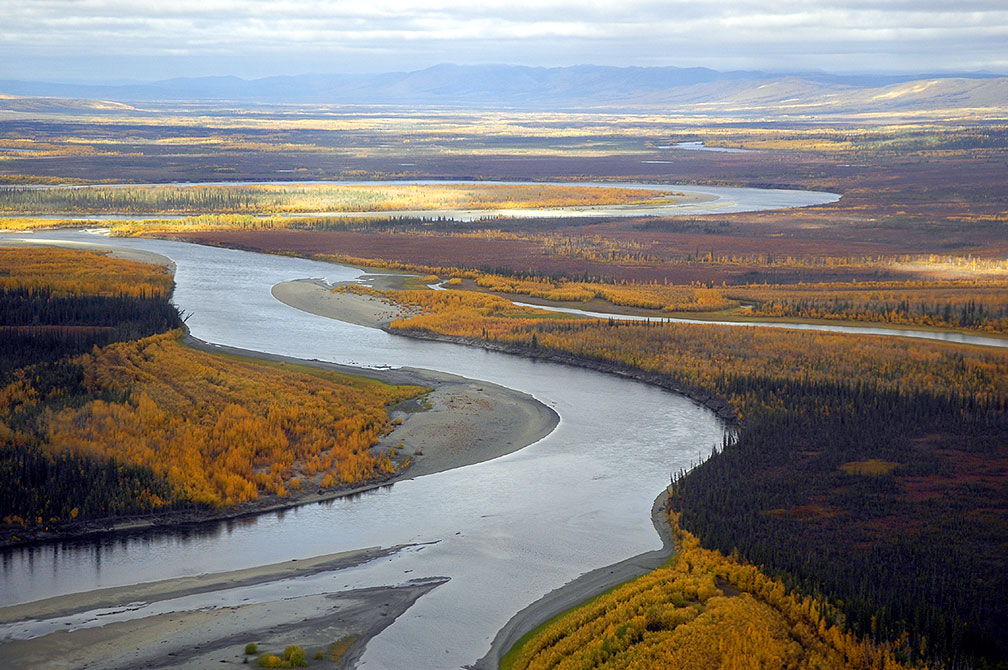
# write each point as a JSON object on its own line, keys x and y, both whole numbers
{"x": 459, "y": 422}
{"x": 316, "y": 297}
{"x": 209, "y": 637}
{"x": 465, "y": 421}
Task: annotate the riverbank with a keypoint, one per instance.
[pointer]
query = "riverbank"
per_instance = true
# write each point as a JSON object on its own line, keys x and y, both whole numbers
{"x": 459, "y": 422}
{"x": 577, "y": 592}
{"x": 193, "y": 637}
{"x": 488, "y": 635}
{"x": 125, "y": 253}
{"x": 316, "y": 297}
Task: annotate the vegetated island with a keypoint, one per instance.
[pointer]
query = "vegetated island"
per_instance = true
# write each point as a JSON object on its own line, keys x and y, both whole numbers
{"x": 85, "y": 361}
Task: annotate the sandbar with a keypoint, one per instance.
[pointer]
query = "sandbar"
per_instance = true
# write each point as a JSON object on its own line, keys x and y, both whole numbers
{"x": 209, "y": 637}
{"x": 459, "y": 422}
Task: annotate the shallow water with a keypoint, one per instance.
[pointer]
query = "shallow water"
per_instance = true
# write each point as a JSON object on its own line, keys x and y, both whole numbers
{"x": 506, "y": 531}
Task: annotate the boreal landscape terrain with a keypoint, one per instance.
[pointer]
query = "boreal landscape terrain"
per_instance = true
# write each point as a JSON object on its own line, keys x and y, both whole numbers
{"x": 856, "y": 513}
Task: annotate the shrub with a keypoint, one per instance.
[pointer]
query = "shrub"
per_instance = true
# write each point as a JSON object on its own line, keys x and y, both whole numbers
{"x": 295, "y": 655}
{"x": 270, "y": 661}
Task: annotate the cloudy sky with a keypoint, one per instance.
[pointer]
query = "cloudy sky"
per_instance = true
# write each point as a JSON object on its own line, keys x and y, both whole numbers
{"x": 108, "y": 40}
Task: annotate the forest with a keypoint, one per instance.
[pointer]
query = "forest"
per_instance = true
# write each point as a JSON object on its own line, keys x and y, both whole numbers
{"x": 859, "y": 510}
{"x": 866, "y": 471}
{"x": 56, "y": 303}
{"x": 701, "y": 610}
{"x": 104, "y": 413}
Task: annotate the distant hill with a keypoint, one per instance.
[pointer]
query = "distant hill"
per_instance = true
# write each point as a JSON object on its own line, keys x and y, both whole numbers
{"x": 568, "y": 88}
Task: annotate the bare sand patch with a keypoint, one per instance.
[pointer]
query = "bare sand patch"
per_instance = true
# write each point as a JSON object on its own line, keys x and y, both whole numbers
{"x": 316, "y": 297}
{"x": 463, "y": 421}
{"x": 209, "y": 637}
{"x": 459, "y": 422}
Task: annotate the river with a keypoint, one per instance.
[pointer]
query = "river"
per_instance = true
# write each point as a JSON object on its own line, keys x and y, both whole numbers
{"x": 913, "y": 333}
{"x": 506, "y": 531}
{"x": 697, "y": 200}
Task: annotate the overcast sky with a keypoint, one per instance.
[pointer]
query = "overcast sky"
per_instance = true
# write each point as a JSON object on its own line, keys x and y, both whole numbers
{"x": 104, "y": 40}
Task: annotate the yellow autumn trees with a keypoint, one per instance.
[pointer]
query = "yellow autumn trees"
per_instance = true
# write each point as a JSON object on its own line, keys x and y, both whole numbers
{"x": 702, "y": 610}
{"x": 219, "y": 430}
{"x": 78, "y": 272}
{"x": 316, "y": 197}
{"x": 701, "y": 354}
{"x": 223, "y": 431}
{"x": 644, "y": 296}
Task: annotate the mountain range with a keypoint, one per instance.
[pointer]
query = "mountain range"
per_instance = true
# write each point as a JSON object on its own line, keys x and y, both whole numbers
{"x": 585, "y": 87}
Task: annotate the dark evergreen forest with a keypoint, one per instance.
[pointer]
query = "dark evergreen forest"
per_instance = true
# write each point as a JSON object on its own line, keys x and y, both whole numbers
{"x": 40, "y": 333}
{"x": 885, "y": 502}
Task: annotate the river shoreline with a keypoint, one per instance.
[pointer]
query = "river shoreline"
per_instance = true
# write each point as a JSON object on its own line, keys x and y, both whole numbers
{"x": 711, "y": 401}
{"x": 201, "y": 637}
{"x": 467, "y": 421}
{"x": 576, "y": 592}
{"x": 317, "y": 298}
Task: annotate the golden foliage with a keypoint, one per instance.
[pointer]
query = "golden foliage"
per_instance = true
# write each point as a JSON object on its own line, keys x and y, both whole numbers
{"x": 974, "y": 304}
{"x": 971, "y": 304}
{"x": 702, "y": 610}
{"x": 335, "y": 197}
{"x": 700, "y": 354}
{"x": 24, "y": 179}
{"x": 644, "y": 296}
{"x": 873, "y": 467}
{"x": 77, "y": 272}
{"x": 224, "y": 430}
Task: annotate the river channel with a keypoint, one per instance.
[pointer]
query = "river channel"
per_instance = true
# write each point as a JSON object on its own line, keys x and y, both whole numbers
{"x": 505, "y": 532}
{"x": 696, "y": 200}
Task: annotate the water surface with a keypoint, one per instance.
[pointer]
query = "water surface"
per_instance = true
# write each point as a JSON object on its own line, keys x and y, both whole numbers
{"x": 506, "y": 531}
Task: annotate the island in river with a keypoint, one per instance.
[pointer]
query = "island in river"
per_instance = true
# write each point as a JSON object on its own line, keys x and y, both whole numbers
{"x": 463, "y": 421}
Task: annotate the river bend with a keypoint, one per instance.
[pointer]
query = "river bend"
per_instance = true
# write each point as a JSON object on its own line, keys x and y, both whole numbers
{"x": 505, "y": 531}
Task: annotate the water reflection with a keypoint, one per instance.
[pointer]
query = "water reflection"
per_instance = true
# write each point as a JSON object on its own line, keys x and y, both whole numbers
{"x": 507, "y": 531}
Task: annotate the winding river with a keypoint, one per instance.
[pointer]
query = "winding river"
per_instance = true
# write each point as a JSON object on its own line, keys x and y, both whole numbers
{"x": 505, "y": 532}
{"x": 697, "y": 200}
{"x": 914, "y": 333}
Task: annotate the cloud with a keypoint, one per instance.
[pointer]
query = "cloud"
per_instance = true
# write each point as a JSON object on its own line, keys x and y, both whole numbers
{"x": 250, "y": 38}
